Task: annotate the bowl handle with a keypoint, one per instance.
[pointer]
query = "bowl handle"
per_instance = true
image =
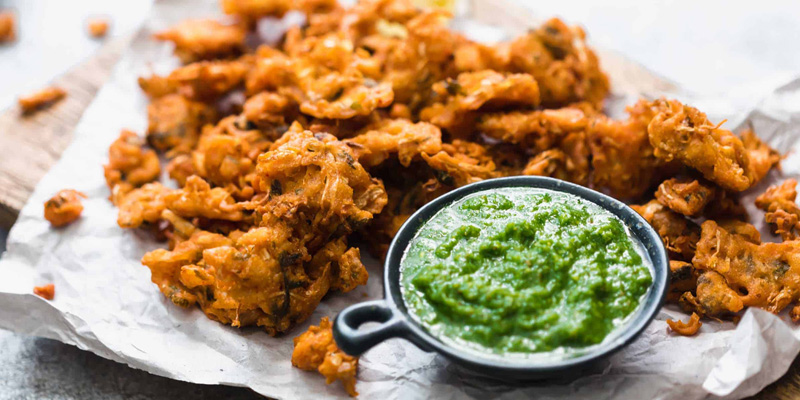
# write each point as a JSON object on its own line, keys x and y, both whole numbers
{"x": 354, "y": 341}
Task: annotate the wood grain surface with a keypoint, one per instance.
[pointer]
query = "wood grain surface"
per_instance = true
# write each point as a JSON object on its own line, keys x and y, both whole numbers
{"x": 32, "y": 144}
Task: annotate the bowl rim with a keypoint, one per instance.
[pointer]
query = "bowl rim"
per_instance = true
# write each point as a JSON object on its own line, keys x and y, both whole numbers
{"x": 637, "y": 225}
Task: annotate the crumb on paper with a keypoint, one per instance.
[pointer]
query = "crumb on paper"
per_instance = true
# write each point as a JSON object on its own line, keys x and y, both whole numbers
{"x": 63, "y": 208}
{"x": 8, "y": 26}
{"x": 688, "y": 328}
{"x": 47, "y": 292}
{"x": 315, "y": 349}
{"x": 97, "y": 26}
{"x": 41, "y": 99}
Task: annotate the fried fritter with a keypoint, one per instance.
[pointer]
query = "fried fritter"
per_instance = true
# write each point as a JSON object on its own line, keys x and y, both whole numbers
{"x": 684, "y": 133}
{"x": 204, "y": 39}
{"x": 782, "y": 212}
{"x": 473, "y": 91}
{"x": 679, "y": 234}
{"x": 64, "y": 207}
{"x": 741, "y": 273}
{"x": 140, "y": 205}
{"x": 623, "y": 161}
{"x": 539, "y": 130}
{"x": 401, "y": 137}
{"x": 762, "y": 158}
{"x": 174, "y": 122}
{"x": 311, "y": 193}
{"x": 685, "y": 196}
{"x": 41, "y": 99}
{"x": 315, "y": 350}
{"x": 209, "y": 80}
{"x": 130, "y": 165}
{"x": 559, "y": 59}
{"x": 198, "y": 199}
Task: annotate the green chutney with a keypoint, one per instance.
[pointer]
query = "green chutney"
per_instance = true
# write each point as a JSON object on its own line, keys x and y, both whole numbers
{"x": 523, "y": 271}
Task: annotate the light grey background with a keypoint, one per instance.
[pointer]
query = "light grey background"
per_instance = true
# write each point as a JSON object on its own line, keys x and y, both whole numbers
{"x": 710, "y": 47}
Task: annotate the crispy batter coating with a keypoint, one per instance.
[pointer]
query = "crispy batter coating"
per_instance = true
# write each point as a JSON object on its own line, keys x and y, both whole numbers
{"x": 741, "y": 273}
{"x": 64, "y": 207}
{"x": 209, "y": 80}
{"x": 311, "y": 193}
{"x": 762, "y": 157}
{"x": 559, "y": 59}
{"x": 47, "y": 292}
{"x": 782, "y": 212}
{"x": 130, "y": 165}
{"x": 8, "y": 27}
{"x": 688, "y": 328}
{"x": 204, "y": 39}
{"x": 198, "y": 199}
{"x": 473, "y": 91}
{"x": 139, "y": 206}
{"x": 679, "y": 234}
{"x": 401, "y": 137}
{"x": 41, "y": 99}
{"x": 97, "y": 27}
{"x": 174, "y": 122}
{"x": 315, "y": 349}
{"x": 540, "y": 130}
{"x": 623, "y": 160}
{"x": 684, "y": 195}
{"x": 461, "y": 163}
{"x": 684, "y": 133}
{"x": 156, "y": 86}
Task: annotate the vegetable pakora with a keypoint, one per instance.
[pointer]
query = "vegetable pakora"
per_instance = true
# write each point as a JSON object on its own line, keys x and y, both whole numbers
{"x": 316, "y": 350}
{"x": 783, "y": 214}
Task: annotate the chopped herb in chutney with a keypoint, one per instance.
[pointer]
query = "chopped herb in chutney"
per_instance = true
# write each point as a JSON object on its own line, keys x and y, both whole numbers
{"x": 523, "y": 270}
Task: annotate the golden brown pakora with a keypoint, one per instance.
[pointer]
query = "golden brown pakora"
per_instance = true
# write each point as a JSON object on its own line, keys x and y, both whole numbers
{"x": 175, "y": 122}
{"x": 684, "y": 195}
{"x": 679, "y": 234}
{"x": 683, "y": 133}
{"x": 204, "y": 39}
{"x": 782, "y": 212}
{"x": 739, "y": 273}
{"x": 682, "y": 279}
{"x": 311, "y": 194}
{"x": 315, "y": 350}
{"x": 130, "y": 165}
{"x": 64, "y": 207}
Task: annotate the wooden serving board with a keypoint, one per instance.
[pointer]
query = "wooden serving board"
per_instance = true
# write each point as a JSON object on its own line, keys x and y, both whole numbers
{"x": 32, "y": 144}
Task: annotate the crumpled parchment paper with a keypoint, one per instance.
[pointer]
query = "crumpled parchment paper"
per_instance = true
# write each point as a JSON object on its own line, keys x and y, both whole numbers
{"x": 105, "y": 302}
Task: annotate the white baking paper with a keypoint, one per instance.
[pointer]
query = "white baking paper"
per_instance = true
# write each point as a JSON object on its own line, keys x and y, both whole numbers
{"x": 105, "y": 302}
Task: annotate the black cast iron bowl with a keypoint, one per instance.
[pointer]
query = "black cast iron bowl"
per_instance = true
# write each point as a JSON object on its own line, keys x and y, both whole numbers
{"x": 395, "y": 320}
